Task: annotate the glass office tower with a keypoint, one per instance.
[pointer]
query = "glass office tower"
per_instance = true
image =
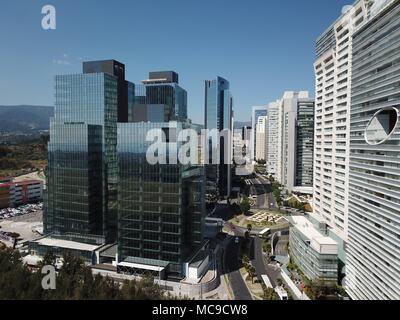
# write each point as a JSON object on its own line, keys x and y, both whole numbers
{"x": 161, "y": 89}
{"x": 75, "y": 181}
{"x": 161, "y": 207}
{"x": 82, "y": 172}
{"x": 218, "y": 116}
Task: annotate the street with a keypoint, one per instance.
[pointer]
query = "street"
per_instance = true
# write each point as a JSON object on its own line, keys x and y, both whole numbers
{"x": 263, "y": 189}
{"x": 259, "y": 263}
{"x": 231, "y": 268}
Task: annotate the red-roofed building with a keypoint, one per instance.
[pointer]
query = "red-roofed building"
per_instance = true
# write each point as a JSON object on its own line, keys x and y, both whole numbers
{"x": 13, "y": 194}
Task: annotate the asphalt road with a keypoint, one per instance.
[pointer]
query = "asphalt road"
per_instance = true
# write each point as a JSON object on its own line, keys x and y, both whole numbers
{"x": 263, "y": 189}
{"x": 259, "y": 263}
{"x": 281, "y": 246}
{"x": 231, "y": 268}
{"x": 268, "y": 191}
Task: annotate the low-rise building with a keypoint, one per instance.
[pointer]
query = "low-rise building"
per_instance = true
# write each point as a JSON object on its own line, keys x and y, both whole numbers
{"x": 13, "y": 194}
{"x": 314, "y": 252}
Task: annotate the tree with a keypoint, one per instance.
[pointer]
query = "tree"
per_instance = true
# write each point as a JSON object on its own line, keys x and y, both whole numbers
{"x": 267, "y": 247}
{"x": 249, "y": 227}
{"x": 74, "y": 281}
{"x": 245, "y": 205}
{"x": 270, "y": 294}
{"x": 15, "y": 237}
{"x": 252, "y": 273}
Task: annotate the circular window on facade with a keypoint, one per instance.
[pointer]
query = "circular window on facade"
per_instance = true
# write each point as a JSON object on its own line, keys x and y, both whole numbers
{"x": 381, "y": 126}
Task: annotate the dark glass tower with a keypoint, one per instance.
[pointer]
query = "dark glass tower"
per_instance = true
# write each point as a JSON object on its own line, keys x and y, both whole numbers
{"x": 162, "y": 89}
{"x": 116, "y": 69}
{"x": 82, "y": 172}
{"x": 218, "y": 116}
{"x": 161, "y": 207}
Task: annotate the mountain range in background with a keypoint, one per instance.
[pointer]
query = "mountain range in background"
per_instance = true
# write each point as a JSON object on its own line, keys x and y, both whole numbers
{"x": 240, "y": 124}
{"x": 25, "y": 119}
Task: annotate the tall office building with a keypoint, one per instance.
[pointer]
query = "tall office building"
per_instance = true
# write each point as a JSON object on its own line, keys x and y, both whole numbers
{"x": 219, "y": 117}
{"x": 82, "y": 172}
{"x": 261, "y": 138}
{"x": 289, "y": 143}
{"x": 373, "y": 263}
{"x": 159, "y": 98}
{"x": 305, "y": 143}
{"x": 256, "y": 112}
{"x": 274, "y": 138}
{"x": 101, "y": 188}
{"x": 117, "y": 69}
{"x": 161, "y": 207}
{"x": 333, "y": 70}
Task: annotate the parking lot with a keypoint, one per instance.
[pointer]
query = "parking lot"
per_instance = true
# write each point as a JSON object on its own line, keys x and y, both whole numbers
{"x": 10, "y": 213}
{"x": 28, "y": 226}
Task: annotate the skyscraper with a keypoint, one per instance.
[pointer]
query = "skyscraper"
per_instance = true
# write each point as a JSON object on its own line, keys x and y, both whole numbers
{"x": 261, "y": 138}
{"x": 117, "y": 69}
{"x": 305, "y": 143}
{"x": 219, "y": 117}
{"x": 161, "y": 207}
{"x": 82, "y": 172}
{"x": 290, "y": 125}
{"x": 101, "y": 187}
{"x": 160, "y": 94}
{"x": 333, "y": 69}
{"x": 373, "y": 263}
{"x": 274, "y": 138}
{"x": 256, "y": 112}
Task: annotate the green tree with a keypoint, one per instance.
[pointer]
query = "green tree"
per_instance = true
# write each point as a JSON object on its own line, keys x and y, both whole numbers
{"x": 249, "y": 227}
{"x": 252, "y": 273}
{"x": 270, "y": 294}
{"x": 245, "y": 205}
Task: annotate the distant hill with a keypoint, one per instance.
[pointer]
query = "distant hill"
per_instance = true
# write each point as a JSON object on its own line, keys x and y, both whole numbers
{"x": 240, "y": 125}
{"x": 25, "y": 119}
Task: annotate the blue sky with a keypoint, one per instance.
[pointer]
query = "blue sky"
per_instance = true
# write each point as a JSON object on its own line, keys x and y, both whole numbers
{"x": 262, "y": 47}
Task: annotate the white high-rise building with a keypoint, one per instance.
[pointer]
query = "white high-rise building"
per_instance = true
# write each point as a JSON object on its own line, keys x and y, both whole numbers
{"x": 333, "y": 70}
{"x": 261, "y": 138}
{"x": 357, "y": 144}
{"x": 373, "y": 256}
{"x": 273, "y": 154}
{"x": 256, "y": 112}
{"x": 282, "y": 155}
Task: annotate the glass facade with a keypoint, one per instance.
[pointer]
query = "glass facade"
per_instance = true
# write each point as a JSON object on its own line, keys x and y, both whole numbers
{"x": 170, "y": 96}
{"x": 313, "y": 251}
{"x": 161, "y": 207}
{"x": 218, "y": 116}
{"x": 82, "y": 172}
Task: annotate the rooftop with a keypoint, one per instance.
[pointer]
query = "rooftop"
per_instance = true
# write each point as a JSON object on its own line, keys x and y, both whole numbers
{"x": 50, "y": 242}
{"x": 318, "y": 241}
{"x": 20, "y": 183}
